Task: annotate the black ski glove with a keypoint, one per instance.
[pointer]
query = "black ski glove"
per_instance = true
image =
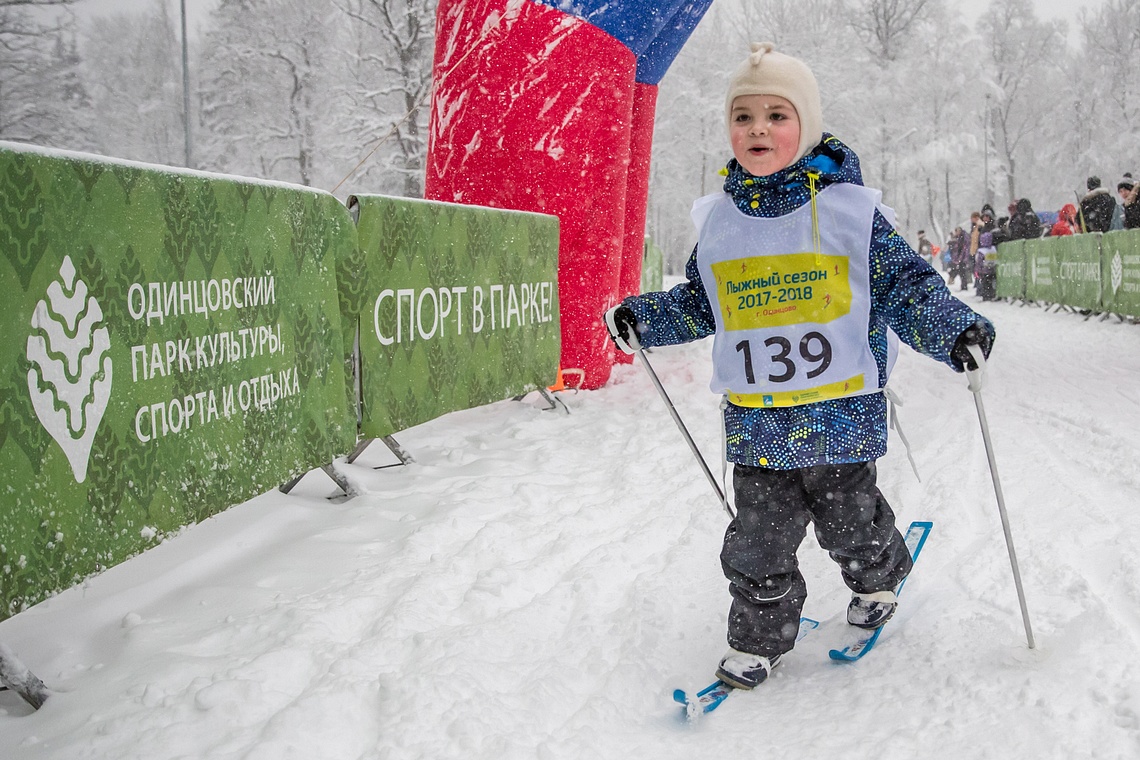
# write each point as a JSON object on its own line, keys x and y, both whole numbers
{"x": 622, "y": 326}
{"x": 974, "y": 335}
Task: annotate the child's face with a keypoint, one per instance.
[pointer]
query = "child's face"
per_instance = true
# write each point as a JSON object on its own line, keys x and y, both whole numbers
{"x": 765, "y": 133}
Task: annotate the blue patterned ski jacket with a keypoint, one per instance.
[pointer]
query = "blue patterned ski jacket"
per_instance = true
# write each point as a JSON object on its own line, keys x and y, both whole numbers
{"x": 907, "y": 295}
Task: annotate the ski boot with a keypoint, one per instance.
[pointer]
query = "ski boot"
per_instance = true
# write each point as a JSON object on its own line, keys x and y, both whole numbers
{"x": 871, "y": 611}
{"x": 743, "y": 670}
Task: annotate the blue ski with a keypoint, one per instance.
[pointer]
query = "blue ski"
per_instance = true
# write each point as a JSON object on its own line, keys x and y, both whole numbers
{"x": 915, "y": 539}
{"x": 709, "y": 698}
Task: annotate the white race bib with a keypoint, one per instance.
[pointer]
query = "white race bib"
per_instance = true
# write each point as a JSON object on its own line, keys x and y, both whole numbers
{"x": 792, "y": 321}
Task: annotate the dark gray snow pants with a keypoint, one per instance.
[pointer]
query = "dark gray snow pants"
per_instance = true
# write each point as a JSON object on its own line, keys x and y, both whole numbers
{"x": 853, "y": 522}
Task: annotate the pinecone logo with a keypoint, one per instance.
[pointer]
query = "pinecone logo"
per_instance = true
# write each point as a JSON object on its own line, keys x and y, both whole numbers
{"x": 70, "y": 375}
{"x": 1117, "y": 272}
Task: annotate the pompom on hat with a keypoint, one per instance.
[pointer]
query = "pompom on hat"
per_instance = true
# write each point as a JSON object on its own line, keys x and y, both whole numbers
{"x": 766, "y": 72}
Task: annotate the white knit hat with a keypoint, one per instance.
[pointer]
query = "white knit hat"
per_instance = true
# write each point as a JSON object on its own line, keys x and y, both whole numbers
{"x": 766, "y": 72}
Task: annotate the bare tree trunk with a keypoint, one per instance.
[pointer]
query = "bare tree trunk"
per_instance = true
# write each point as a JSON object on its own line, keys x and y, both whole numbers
{"x": 413, "y": 147}
{"x": 949, "y": 208}
{"x": 1011, "y": 179}
{"x": 930, "y": 203}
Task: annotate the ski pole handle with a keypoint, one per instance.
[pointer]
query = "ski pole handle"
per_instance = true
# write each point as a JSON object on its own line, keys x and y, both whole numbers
{"x": 974, "y": 376}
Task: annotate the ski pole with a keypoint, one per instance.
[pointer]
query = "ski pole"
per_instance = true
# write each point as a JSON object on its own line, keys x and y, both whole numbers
{"x": 684, "y": 431}
{"x": 975, "y": 384}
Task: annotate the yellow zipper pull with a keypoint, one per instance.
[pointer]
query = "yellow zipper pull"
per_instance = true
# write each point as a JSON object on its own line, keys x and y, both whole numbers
{"x": 815, "y": 238}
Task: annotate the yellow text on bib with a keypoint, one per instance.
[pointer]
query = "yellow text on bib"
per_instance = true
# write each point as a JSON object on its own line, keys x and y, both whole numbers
{"x": 789, "y": 289}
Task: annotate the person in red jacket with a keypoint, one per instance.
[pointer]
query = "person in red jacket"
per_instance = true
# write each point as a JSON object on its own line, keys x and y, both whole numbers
{"x": 1066, "y": 223}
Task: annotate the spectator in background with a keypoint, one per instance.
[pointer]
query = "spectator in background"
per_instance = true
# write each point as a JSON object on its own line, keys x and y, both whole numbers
{"x": 1128, "y": 189}
{"x": 987, "y": 267}
{"x": 1117, "y": 217}
{"x": 974, "y": 231}
{"x": 958, "y": 240}
{"x": 1066, "y": 223}
{"x": 961, "y": 255}
{"x": 990, "y": 226}
{"x": 1096, "y": 208}
{"x": 988, "y": 217}
{"x": 1024, "y": 225}
{"x": 983, "y": 225}
{"x": 925, "y": 248}
{"x": 1001, "y": 234}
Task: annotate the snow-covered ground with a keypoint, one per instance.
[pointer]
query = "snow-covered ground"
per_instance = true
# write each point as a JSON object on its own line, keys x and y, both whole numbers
{"x": 537, "y": 584}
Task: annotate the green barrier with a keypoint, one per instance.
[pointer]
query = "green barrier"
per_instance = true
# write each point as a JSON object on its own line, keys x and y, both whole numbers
{"x": 652, "y": 268}
{"x": 1011, "y": 269}
{"x": 1040, "y": 284}
{"x": 1076, "y": 270}
{"x": 472, "y": 319}
{"x": 170, "y": 349}
{"x": 1120, "y": 285}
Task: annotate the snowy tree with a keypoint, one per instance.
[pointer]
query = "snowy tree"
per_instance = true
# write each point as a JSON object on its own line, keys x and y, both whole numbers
{"x": 307, "y": 92}
{"x": 941, "y": 173}
{"x": 266, "y": 89}
{"x": 1021, "y": 59}
{"x": 135, "y": 80}
{"x": 887, "y": 25}
{"x": 1107, "y": 105}
{"x": 886, "y": 28}
{"x": 390, "y": 72}
{"x": 42, "y": 99}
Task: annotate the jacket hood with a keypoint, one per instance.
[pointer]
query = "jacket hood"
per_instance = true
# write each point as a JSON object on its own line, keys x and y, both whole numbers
{"x": 1024, "y": 206}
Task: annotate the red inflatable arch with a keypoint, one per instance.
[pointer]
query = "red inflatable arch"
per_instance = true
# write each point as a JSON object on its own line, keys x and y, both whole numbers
{"x": 539, "y": 109}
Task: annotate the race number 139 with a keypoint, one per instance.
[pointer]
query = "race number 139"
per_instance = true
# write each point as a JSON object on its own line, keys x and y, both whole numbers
{"x": 812, "y": 355}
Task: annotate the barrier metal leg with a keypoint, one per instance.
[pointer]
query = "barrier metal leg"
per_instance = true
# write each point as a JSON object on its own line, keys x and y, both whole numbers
{"x": 395, "y": 447}
{"x": 360, "y": 447}
{"x": 553, "y": 401}
{"x": 285, "y": 488}
{"x": 340, "y": 480}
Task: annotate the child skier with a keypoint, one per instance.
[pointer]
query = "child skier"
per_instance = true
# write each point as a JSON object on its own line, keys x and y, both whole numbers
{"x": 798, "y": 273}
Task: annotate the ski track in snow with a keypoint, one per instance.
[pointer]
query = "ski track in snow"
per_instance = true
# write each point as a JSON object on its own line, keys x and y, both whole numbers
{"x": 536, "y": 585}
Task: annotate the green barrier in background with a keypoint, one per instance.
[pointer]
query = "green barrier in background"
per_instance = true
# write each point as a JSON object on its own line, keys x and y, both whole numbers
{"x": 170, "y": 348}
{"x": 1076, "y": 270}
{"x": 1011, "y": 269}
{"x": 1120, "y": 286}
{"x": 1040, "y": 284}
{"x": 457, "y": 306}
{"x": 652, "y": 268}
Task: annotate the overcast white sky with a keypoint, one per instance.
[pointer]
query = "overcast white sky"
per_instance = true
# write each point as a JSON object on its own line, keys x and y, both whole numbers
{"x": 1046, "y": 9}
{"x": 197, "y": 11}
